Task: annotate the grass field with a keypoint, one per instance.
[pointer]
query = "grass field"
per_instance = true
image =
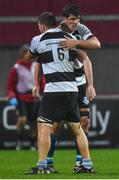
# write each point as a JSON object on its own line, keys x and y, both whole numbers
{"x": 13, "y": 164}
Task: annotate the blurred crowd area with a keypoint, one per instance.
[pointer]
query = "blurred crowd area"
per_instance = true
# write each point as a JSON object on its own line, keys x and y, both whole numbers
{"x": 18, "y": 24}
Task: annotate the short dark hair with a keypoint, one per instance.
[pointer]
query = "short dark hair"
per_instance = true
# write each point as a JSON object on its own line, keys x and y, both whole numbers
{"x": 48, "y": 19}
{"x": 70, "y": 9}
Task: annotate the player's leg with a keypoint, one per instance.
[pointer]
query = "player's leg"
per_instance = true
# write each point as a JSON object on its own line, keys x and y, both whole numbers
{"x": 32, "y": 114}
{"x": 82, "y": 143}
{"x": 54, "y": 132}
{"x": 44, "y": 131}
{"x": 44, "y": 143}
{"x": 84, "y": 121}
{"x": 21, "y": 120}
{"x": 81, "y": 139}
{"x": 84, "y": 118}
{"x": 45, "y": 120}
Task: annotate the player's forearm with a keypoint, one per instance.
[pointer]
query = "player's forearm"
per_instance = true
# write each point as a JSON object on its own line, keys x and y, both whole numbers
{"x": 83, "y": 57}
{"x": 91, "y": 43}
{"x": 37, "y": 75}
{"x": 88, "y": 71}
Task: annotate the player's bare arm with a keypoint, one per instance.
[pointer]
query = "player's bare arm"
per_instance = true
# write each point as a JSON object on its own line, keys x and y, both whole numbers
{"x": 91, "y": 43}
{"x": 82, "y": 56}
{"x": 35, "y": 90}
{"x": 27, "y": 57}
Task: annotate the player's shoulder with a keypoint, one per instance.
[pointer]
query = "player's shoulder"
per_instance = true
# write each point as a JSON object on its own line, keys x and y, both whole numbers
{"x": 82, "y": 32}
{"x": 37, "y": 38}
{"x": 81, "y": 28}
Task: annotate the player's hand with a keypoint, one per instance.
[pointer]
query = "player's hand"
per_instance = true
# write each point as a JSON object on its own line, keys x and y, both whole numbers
{"x": 13, "y": 102}
{"x": 35, "y": 91}
{"x": 68, "y": 43}
{"x": 90, "y": 92}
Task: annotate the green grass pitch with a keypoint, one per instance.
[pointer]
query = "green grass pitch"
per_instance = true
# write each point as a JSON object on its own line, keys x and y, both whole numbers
{"x": 13, "y": 164}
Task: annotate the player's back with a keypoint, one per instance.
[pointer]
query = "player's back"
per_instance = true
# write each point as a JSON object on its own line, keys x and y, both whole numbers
{"x": 57, "y": 63}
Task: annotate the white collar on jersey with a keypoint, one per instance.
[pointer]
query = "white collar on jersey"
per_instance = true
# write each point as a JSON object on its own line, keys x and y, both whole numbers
{"x": 54, "y": 30}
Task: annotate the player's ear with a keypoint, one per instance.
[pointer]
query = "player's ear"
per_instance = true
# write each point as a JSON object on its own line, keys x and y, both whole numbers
{"x": 44, "y": 28}
{"x": 64, "y": 19}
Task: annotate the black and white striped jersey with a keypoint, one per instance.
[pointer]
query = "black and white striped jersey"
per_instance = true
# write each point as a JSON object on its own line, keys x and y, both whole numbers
{"x": 79, "y": 73}
{"x": 82, "y": 33}
{"x": 57, "y": 63}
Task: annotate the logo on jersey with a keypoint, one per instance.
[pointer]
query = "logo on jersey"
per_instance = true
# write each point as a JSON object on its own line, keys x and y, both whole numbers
{"x": 85, "y": 100}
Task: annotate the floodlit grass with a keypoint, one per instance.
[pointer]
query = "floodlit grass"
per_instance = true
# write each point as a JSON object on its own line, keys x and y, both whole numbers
{"x": 13, "y": 164}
